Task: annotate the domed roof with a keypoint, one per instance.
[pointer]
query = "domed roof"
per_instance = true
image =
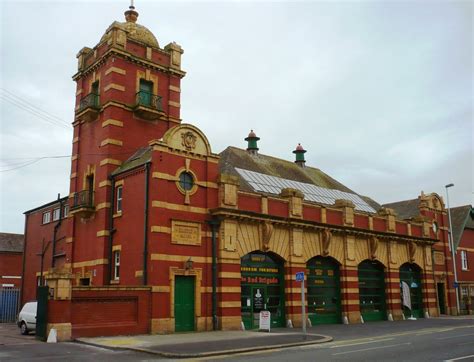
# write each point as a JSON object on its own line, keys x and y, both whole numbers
{"x": 134, "y": 31}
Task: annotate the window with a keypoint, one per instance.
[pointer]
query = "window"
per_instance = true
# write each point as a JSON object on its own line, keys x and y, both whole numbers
{"x": 66, "y": 210}
{"x": 186, "y": 181}
{"x": 56, "y": 214}
{"x": 85, "y": 281}
{"x": 464, "y": 260}
{"x": 116, "y": 264}
{"x": 119, "y": 198}
{"x": 46, "y": 217}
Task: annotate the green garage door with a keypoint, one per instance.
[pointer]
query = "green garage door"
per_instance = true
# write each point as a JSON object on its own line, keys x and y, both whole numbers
{"x": 411, "y": 274}
{"x": 372, "y": 291}
{"x": 324, "y": 293}
{"x": 184, "y": 303}
{"x": 262, "y": 288}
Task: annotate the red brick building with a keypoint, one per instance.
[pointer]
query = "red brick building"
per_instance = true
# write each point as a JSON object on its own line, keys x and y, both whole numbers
{"x": 11, "y": 256}
{"x": 165, "y": 235}
{"x": 463, "y": 235}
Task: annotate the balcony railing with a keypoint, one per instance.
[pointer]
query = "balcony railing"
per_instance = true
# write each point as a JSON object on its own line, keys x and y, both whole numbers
{"x": 83, "y": 199}
{"x": 89, "y": 101}
{"x": 149, "y": 100}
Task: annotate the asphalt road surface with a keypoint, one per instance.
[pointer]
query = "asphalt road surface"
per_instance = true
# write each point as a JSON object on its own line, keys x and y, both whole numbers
{"x": 437, "y": 339}
{"x": 424, "y": 340}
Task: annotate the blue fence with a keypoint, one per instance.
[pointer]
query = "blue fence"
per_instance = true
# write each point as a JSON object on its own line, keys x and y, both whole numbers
{"x": 9, "y": 304}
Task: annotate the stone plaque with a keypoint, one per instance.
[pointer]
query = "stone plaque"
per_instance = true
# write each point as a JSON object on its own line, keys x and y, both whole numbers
{"x": 438, "y": 258}
{"x": 185, "y": 232}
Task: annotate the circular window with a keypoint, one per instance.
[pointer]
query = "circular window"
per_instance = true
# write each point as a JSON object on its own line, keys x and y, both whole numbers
{"x": 186, "y": 181}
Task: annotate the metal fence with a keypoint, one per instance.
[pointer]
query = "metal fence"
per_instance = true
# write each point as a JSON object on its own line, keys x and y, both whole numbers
{"x": 9, "y": 304}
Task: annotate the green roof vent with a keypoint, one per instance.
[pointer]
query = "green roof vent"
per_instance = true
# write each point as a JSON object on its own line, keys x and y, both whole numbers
{"x": 299, "y": 152}
{"x": 252, "y": 142}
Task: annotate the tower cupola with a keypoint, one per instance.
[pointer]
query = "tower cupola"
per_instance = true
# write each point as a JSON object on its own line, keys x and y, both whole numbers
{"x": 252, "y": 143}
{"x": 299, "y": 152}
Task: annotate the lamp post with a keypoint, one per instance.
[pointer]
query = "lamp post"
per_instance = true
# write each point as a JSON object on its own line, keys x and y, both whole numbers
{"x": 453, "y": 256}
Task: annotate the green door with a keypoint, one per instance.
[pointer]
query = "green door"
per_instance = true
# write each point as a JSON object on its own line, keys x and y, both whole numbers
{"x": 146, "y": 93}
{"x": 411, "y": 274}
{"x": 261, "y": 289}
{"x": 372, "y": 291}
{"x": 184, "y": 303}
{"x": 324, "y": 293}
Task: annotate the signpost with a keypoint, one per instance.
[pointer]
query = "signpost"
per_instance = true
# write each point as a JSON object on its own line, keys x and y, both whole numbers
{"x": 300, "y": 278}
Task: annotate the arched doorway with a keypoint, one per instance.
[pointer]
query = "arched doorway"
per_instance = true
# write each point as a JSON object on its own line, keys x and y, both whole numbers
{"x": 324, "y": 291}
{"x": 411, "y": 275}
{"x": 372, "y": 291}
{"x": 262, "y": 288}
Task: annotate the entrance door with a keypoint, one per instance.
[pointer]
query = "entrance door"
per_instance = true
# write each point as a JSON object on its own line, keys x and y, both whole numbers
{"x": 411, "y": 274}
{"x": 261, "y": 289}
{"x": 324, "y": 295}
{"x": 146, "y": 92}
{"x": 372, "y": 291}
{"x": 184, "y": 303}
{"x": 442, "y": 305}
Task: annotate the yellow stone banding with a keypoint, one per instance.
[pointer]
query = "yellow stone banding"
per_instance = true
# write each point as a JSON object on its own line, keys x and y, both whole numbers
{"x": 101, "y": 233}
{"x": 110, "y": 161}
{"x": 111, "y": 141}
{"x": 115, "y": 70}
{"x": 114, "y": 86}
{"x": 112, "y": 122}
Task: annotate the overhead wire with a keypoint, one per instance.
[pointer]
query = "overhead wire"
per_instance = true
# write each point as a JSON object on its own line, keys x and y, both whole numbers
{"x": 29, "y": 107}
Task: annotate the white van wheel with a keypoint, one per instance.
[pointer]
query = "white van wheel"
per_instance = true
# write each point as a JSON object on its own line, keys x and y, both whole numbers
{"x": 23, "y": 328}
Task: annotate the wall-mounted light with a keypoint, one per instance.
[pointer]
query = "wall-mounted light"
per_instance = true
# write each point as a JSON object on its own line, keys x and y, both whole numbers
{"x": 188, "y": 265}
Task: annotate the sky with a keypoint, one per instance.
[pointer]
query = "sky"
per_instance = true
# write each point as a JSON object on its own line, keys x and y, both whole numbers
{"x": 379, "y": 93}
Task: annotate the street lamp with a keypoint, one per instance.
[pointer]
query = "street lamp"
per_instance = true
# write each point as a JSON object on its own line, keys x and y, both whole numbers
{"x": 451, "y": 240}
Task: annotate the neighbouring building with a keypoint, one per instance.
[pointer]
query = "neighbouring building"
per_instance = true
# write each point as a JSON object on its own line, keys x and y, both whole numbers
{"x": 463, "y": 235}
{"x": 11, "y": 256}
{"x": 165, "y": 235}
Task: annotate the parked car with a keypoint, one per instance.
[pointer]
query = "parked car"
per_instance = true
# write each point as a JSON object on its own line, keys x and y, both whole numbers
{"x": 27, "y": 317}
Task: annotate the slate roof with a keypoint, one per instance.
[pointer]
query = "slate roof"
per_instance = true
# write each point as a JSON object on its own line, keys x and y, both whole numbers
{"x": 405, "y": 209}
{"x": 11, "y": 243}
{"x": 461, "y": 217}
{"x": 233, "y": 157}
{"x": 139, "y": 158}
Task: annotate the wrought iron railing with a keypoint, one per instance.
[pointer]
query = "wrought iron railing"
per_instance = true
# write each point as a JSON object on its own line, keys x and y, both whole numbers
{"x": 149, "y": 100}
{"x": 83, "y": 198}
{"x": 89, "y": 101}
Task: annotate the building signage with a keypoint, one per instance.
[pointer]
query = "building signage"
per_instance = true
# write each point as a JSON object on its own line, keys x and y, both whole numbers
{"x": 259, "y": 280}
{"x": 258, "y": 300}
{"x": 184, "y": 232}
{"x": 265, "y": 317}
{"x": 299, "y": 276}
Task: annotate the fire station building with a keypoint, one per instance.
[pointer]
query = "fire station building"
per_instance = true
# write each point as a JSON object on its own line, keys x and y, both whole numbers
{"x": 159, "y": 234}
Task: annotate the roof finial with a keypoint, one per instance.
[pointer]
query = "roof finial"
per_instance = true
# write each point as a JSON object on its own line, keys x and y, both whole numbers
{"x": 131, "y": 15}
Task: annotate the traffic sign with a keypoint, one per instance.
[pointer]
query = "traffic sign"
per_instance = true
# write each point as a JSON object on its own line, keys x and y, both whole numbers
{"x": 299, "y": 276}
{"x": 456, "y": 285}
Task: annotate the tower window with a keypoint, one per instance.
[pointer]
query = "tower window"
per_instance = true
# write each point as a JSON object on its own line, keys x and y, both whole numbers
{"x": 186, "y": 181}
{"x": 119, "y": 198}
{"x": 464, "y": 265}
{"x": 146, "y": 92}
{"x": 116, "y": 264}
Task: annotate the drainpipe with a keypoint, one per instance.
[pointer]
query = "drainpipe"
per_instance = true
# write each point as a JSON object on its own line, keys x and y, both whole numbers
{"x": 55, "y": 232}
{"x": 24, "y": 259}
{"x": 111, "y": 225}
{"x": 145, "y": 225}
{"x": 214, "y": 226}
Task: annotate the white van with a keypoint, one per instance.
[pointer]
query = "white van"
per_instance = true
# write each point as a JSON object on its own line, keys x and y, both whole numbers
{"x": 27, "y": 317}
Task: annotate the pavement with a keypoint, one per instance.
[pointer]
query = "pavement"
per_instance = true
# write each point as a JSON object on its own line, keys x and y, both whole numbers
{"x": 219, "y": 343}
{"x": 206, "y": 344}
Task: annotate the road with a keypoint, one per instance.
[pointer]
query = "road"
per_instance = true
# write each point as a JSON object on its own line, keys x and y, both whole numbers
{"x": 434, "y": 340}
{"x": 15, "y": 347}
